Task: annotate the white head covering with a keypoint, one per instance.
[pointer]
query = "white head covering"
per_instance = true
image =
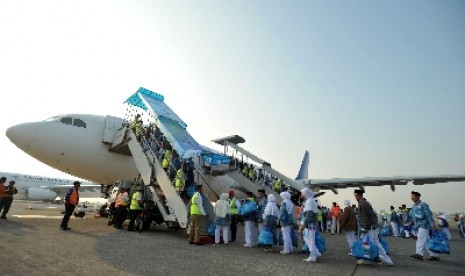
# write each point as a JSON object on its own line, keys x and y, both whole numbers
{"x": 271, "y": 208}
{"x": 271, "y": 198}
{"x": 307, "y": 193}
{"x": 224, "y": 196}
{"x": 286, "y": 196}
{"x": 310, "y": 204}
{"x": 346, "y": 203}
{"x": 222, "y": 206}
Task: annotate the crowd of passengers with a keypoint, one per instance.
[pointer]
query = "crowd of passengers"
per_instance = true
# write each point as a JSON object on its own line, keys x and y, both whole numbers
{"x": 181, "y": 173}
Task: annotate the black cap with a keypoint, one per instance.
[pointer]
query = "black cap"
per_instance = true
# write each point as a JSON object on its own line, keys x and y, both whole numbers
{"x": 360, "y": 192}
{"x": 75, "y": 183}
{"x": 3, "y": 178}
{"x": 12, "y": 182}
{"x": 249, "y": 193}
{"x": 416, "y": 193}
{"x": 261, "y": 191}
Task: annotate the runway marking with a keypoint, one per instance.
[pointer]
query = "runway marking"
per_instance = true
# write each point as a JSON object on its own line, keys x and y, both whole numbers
{"x": 38, "y": 216}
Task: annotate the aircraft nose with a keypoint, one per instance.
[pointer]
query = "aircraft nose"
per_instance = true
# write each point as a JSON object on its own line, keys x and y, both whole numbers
{"x": 22, "y": 135}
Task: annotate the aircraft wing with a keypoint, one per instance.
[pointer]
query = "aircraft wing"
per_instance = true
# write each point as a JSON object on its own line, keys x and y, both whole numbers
{"x": 340, "y": 183}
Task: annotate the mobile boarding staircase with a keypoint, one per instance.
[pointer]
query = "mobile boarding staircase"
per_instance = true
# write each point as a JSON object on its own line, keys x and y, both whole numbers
{"x": 171, "y": 206}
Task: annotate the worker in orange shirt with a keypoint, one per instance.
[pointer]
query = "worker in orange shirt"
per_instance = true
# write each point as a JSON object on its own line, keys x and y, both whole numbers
{"x": 336, "y": 216}
{"x": 71, "y": 200}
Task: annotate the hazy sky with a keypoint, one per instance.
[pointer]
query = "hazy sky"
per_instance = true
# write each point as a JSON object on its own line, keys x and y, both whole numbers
{"x": 371, "y": 88}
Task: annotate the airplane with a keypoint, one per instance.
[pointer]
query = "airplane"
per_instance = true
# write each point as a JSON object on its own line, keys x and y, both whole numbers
{"x": 40, "y": 188}
{"x": 89, "y": 147}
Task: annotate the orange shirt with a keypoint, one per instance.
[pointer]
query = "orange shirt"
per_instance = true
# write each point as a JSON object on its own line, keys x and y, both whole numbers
{"x": 74, "y": 197}
{"x": 335, "y": 211}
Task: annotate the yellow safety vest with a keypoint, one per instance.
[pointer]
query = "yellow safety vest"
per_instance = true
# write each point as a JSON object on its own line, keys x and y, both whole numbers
{"x": 179, "y": 181}
{"x": 134, "y": 203}
{"x": 139, "y": 128}
{"x": 195, "y": 210}
{"x": 251, "y": 174}
{"x": 167, "y": 159}
{"x": 232, "y": 206}
{"x": 277, "y": 184}
{"x": 245, "y": 170}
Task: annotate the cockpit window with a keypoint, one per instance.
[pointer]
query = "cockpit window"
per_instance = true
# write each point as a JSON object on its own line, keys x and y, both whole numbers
{"x": 67, "y": 120}
{"x": 79, "y": 123}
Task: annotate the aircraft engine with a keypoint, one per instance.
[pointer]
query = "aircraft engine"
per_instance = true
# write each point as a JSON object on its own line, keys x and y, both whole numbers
{"x": 40, "y": 194}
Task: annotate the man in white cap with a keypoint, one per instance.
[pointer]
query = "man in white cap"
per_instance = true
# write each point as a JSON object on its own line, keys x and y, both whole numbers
{"x": 349, "y": 224}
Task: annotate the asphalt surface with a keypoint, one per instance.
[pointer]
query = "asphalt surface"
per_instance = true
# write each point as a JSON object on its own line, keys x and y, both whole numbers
{"x": 31, "y": 243}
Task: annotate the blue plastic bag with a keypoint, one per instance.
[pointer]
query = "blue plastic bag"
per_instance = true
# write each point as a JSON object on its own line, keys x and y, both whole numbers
{"x": 248, "y": 208}
{"x": 386, "y": 231}
{"x": 211, "y": 230}
{"x": 385, "y": 245}
{"x": 320, "y": 242}
{"x": 438, "y": 243}
{"x": 294, "y": 238}
{"x": 365, "y": 249}
{"x": 265, "y": 238}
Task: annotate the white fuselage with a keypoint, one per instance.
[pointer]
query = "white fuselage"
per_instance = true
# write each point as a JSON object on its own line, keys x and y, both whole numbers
{"x": 33, "y": 187}
{"x": 74, "y": 143}
{"x": 74, "y": 148}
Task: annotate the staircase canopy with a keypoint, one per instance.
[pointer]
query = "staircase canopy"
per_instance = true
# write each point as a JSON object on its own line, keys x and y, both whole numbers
{"x": 170, "y": 124}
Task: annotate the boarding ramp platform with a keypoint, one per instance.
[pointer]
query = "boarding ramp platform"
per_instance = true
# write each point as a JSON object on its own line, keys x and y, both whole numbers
{"x": 238, "y": 177}
{"x": 229, "y": 142}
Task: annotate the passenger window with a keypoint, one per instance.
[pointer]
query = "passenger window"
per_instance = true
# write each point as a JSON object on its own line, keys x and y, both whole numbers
{"x": 79, "y": 123}
{"x": 67, "y": 120}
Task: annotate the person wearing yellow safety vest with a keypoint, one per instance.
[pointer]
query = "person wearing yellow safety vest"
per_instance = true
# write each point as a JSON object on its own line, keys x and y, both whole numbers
{"x": 245, "y": 170}
{"x": 251, "y": 173}
{"x": 319, "y": 216}
{"x": 136, "y": 125}
{"x": 234, "y": 206}
{"x": 135, "y": 207}
{"x": 166, "y": 163}
{"x": 196, "y": 211}
{"x": 277, "y": 185}
{"x": 121, "y": 203}
{"x": 180, "y": 180}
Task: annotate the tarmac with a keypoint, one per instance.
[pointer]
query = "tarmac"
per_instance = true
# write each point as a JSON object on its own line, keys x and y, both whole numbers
{"x": 31, "y": 243}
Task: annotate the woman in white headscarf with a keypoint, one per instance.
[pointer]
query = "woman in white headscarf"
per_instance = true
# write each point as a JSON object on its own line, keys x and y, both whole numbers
{"x": 309, "y": 223}
{"x": 222, "y": 218}
{"x": 444, "y": 224}
{"x": 286, "y": 220}
{"x": 270, "y": 217}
